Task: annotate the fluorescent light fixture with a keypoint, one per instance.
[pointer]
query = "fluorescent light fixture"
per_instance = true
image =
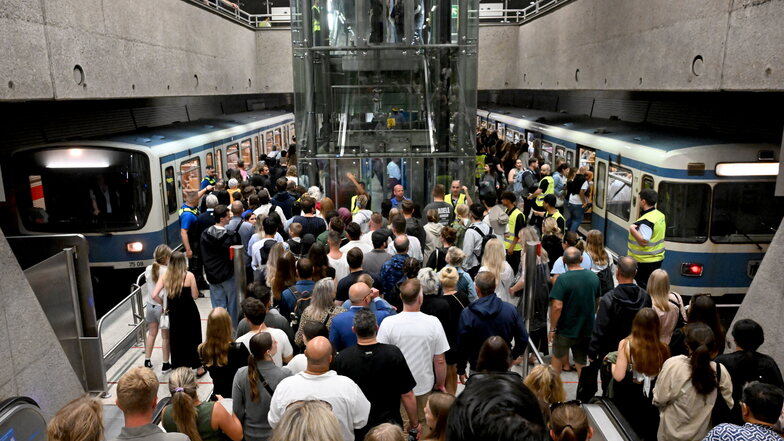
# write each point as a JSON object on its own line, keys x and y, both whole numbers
{"x": 76, "y": 153}
{"x": 747, "y": 169}
{"x": 75, "y": 158}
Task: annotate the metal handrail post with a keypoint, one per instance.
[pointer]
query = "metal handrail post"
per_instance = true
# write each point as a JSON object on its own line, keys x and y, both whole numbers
{"x": 240, "y": 282}
{"x": 531, "y": 253}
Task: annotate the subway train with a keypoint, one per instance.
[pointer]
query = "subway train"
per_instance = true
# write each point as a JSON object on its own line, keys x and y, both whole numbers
{"x": 138, "y": 177}
{"x": 717, "y": 194}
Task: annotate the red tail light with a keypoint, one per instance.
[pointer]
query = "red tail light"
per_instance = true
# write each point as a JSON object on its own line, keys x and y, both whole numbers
{"x": 691, "y": 269}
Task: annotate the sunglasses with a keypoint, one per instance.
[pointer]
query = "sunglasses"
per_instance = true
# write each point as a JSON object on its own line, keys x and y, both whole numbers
{"x": 554, "y": 406}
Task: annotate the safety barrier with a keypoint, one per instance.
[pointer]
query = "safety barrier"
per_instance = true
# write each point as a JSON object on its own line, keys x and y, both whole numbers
{"x": 123, "y": 326}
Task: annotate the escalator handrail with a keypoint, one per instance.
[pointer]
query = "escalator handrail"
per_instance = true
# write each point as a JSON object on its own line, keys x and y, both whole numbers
{"x": 620, "y": 422}
{"x": 9, "y": 402}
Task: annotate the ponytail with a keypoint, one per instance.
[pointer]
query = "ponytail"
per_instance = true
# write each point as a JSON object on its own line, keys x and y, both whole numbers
{"x": 182, "y": 386}
{"x": 569, "y": 422}
{"x": 580, "y": 245}
{"x": 567, "y": 434}
{"x": 161, "y": 255}
{"x": 701, "y": 344}
{"x": 156, "y": 270}
{"x": 253, "y": 378}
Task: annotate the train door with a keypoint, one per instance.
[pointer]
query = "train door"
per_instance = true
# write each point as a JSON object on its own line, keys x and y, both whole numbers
{"x": 621, "y": 203}
{"x": 170, "y": 217}
{"x": 599, "y": 208}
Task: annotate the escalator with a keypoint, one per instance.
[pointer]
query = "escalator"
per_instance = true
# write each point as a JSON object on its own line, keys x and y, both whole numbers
{"x": 607, "y": 422}
{"x": 21, "y": 420}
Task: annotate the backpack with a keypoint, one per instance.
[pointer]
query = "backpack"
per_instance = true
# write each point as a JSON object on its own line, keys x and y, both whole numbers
{"x": 517, "y": 186}
{"x": 303, "y": 301}
{"x": 485, "y": 239}
{"x": 606, "y": 282}
{"x": 265, "y": 249}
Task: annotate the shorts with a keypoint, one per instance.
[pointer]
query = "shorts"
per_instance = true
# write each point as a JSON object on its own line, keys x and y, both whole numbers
{"x": 152, "y": 312}
{"x": 579, "y": 347}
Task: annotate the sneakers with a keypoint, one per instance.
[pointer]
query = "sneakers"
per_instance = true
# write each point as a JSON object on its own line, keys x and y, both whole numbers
{"x": 166, "y": 367}
{"x": 148, "y": 364}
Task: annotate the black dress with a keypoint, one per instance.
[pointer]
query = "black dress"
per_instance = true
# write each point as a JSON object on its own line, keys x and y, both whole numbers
{"x": 184, "y": 330}
{"x": 223, "y": 376}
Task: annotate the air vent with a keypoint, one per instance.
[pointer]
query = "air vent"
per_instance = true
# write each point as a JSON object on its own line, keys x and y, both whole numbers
{"x": 766, "y": 155}
{"x": 696, "y": 168}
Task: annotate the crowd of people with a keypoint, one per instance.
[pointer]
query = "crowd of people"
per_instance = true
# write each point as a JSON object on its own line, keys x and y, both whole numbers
{"x": 360, "y": 325}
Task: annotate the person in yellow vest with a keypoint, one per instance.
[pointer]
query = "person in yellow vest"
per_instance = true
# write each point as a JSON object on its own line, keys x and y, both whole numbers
{"x": 315, "y": 19}
{"x": 551, "y": 210}
{"x": 456, "y": 197}
{"x": 546, "y": 186}
{"x": 360, "y": 186}
{"x": 646, "y": 237}
{"x": 516, "y": 223}
{"x": 481, "y": 155}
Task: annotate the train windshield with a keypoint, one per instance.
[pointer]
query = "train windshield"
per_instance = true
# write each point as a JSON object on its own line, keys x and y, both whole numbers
{"x": 745, "y": 212}
{"x": 82, "y": 190}
{"x": 686, "y": 207}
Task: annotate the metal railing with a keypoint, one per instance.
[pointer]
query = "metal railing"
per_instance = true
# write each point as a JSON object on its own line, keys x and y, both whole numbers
{"x": 486, "y": 16}
{"x": 127, "y": 325}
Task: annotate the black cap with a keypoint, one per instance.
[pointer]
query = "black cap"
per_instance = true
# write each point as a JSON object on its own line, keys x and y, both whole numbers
{"x": 379, "y": 237}
{"x": 477, "y": 211}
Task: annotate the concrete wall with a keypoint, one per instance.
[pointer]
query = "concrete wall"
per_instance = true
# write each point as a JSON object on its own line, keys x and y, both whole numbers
{"x": 498, "y": 61}
{"x": 29, "y": 348}
{"x": 702, "y": 45}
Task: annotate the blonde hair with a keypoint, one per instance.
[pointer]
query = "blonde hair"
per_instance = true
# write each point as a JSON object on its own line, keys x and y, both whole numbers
{"x": 462, "y": 211}
{"x": 215, "y": 349}
{"x": 545, "y": 383}
{"x": 175, "y": 274}
{"x": 386, "y": 432}
{"x": 427, "y": 277}
{"x": 550, "y": 227}
{"x": 136, "y": 390}
{"x": 292, "y": 171}
{"x": 308, "y": 421}
{"x": 529, "y": 234}
{"x": 79, "y": 420}
{"x": 659, "y": 289}
{"x": 448, "y": 277}
{"x": 455, "y": 256}
{"x": 323, "y": 297}
{"x": 161, "y": 255}
{"x": 595, "y": 247}
{"x": 182, "y": 387}
{"x": 494, "y": 258}
{"x": 367, "y": 279}
{"x": 276, "y": 252}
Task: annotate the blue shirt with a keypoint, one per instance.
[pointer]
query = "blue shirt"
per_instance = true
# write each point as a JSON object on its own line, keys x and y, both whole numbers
{"x": 187, "y": 218}
{"x": 395, "y": 202}
{"x": 288, "y": 300}
{"x": 560, "y": 268}
{"x": 748, "y": 431}
{"x": 559, "y": 182}
{"x": 340, "y": 334}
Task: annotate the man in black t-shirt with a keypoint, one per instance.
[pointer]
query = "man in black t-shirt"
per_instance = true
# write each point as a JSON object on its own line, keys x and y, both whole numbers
{"x": 311, "y": 224}
{"x": 381, "y": 372}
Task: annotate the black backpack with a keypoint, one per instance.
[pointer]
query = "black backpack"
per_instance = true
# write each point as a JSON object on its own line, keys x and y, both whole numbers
{"x": 485, "y": 239}
{"x": 606, "y": 282}
{"x": 302, "y": 302}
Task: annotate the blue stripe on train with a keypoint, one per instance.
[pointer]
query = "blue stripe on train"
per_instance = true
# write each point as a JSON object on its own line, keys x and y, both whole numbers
{"x": 719, "y": 269}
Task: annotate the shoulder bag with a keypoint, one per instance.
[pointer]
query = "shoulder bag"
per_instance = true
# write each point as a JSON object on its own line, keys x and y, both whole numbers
{"x": 164, "y": 323}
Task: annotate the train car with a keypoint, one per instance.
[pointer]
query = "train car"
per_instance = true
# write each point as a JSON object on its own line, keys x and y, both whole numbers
{"x": 717, "y": 194}
{"x": 139, "y": 179}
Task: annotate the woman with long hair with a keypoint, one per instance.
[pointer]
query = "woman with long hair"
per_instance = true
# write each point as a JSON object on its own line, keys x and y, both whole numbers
{"x": 322, "y": 307}
{"x": 285, "y": 275}
{"x": 640, "y": 359}
{"x": 184, "y": 319}
{"x": 461, "y": 222}
{"x": 318, "y": 257}
{"x": 153, "y": 310}
{"x": 552, "y": 240}
{"x": 458, "y": 301}
{"x": 494, "y": 261}
{"x": 327, "y": 205}
{"x": 254, "y": 385}
{"x": 546, "y": 384}
{"x": 291, "y": 174}
{"x": 667, "y": 304}
{"x": 687, "y": 387}
{"x": 538, "y": 326}
{"x": 220, "y": 354}
{"x": 276, "y": 252}
{"x": 702, "y": 309}
{"x": 201, "y": 421}
{"x": 79, "y": 420}
{"x": 594, "y": 246}
{"x": 569, "y": 422}
{"x": 436, "y": 411}
{"x": 308, "y": 421}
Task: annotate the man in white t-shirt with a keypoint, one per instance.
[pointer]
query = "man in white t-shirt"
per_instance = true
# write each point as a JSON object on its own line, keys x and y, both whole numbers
{"x": 318, "y": 382}
{"x": 337, "y": 260}
{"x": 354, "y": 234}
{"x": 255, "y": 313}
{"x": 421, "y": 339}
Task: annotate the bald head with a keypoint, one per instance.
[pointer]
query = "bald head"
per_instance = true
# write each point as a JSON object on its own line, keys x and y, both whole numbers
{"x": 237, "y": 208}
{"x": 319, "y": 354}
{"x": 545, "y": 169}
{"x": 572, "y": 257}
{"x": 359, "y": 294}
{"x": 401, "y": 244}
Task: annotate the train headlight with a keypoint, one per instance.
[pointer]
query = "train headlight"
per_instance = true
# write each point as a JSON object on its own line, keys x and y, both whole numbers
{"x": 691, "y": 269}
{"x": 134, "y": 247}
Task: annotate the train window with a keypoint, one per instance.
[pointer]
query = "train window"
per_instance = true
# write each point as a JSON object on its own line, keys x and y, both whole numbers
{"x": 560, "y": 153}
{"x": 171, "y": 190}
{"x": 258, "y": 147}
{"x": 190, "y": 174}
{"x": 570, "y": 158}
{"x": 686, "y": 207}
{"x": 745, "y": 212}
{"x": 247, "y": 155}
{"x": 601, "y": 180}
{"x": 547, "y": 152}
{"x": 278, "y": 139}
{"x": 292, "y": 133}
{"x": 219, "y": 163}
{"x": 209, "y": 160}
{"x": 232, "y": 156}
{"x": 619, "y": 191}
{"x": 647, "y": 182}
{"x": 86, "y": 189}
{"x": 268, "y": 141}
{"x": 587, "y": 158}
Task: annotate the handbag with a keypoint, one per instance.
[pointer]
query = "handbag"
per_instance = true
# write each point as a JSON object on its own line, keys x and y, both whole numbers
{"x": 164, "y": 323}
{"x": 721, "y": 412}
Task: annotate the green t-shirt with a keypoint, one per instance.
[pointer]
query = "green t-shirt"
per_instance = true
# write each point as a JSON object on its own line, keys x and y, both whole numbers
{"x": 578, "y": 290}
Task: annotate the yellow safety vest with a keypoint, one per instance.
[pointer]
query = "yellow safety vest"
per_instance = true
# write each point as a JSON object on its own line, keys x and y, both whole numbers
{"x": 654, "y": 251}
{"x": 188, "y": 209}
{"x": 557, "y": 215}
{"x": 480, "y": 166}
{"x": 316, "y": 19}
{"x": 461, "y": 199}
{"x": 510, "y": 230}
{"x": 354, "y": 206}
{"x": 550, "y": 190}
{"x": 210, "y": 180}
